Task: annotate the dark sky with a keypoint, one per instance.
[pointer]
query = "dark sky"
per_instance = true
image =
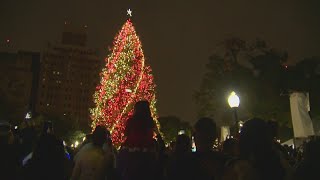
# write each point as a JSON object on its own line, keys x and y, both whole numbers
{"x": 177, "y": 36}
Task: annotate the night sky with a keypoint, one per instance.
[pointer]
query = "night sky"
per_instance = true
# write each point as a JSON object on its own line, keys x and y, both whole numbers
{"x": 177, "y": 36}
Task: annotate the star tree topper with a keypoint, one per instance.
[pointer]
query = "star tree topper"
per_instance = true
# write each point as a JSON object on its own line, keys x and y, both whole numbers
{"x": 129, "y": 12}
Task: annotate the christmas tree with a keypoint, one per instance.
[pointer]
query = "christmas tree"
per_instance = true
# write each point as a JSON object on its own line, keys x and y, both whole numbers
{"x": 125, "y": 80}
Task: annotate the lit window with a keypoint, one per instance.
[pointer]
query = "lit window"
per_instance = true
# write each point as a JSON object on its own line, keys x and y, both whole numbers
{"x": 48, "y": 104}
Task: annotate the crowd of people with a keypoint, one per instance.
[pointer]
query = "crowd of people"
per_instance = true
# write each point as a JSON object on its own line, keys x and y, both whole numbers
{"x": 254, "y": 155}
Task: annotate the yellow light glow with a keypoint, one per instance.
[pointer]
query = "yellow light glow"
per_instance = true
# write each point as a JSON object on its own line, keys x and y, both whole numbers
{"x": 233, "y": 100}
{"x": 76, "y": 144}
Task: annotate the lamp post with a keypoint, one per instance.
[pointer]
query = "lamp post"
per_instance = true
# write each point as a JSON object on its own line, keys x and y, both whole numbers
{"x": 234, "y": 102}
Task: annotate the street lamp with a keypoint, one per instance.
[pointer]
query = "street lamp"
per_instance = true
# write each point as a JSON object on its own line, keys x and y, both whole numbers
{"x": 234, "y": 102}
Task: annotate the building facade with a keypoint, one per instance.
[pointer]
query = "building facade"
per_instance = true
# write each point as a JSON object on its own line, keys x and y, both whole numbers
{"x": 19, "y": 74}
{"x": 68, "y": 77}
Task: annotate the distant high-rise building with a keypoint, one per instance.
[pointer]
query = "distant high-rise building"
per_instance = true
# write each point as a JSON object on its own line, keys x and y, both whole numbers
{"x": 68, "y": 77}
{"x": 19, "y": 74}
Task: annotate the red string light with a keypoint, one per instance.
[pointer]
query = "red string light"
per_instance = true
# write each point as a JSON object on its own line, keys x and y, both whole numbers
{"x": 125, "y": 80}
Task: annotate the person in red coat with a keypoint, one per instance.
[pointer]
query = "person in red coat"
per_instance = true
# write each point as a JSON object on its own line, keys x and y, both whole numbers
{"x": 140, "y": 127}
{"x": 137, "y": 157}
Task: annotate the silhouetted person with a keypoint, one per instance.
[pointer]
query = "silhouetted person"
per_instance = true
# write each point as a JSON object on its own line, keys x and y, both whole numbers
{"x": 181, "y": 160}
{"x": 28, "y": 141}
{"x": 162, "y": 155}
{"x": 29, "y": 138}
{"x": 108, "y": 148}
{"x": 183, "y": 144}
{"x": 209, "y": 164}
{"x": 137, "y": 158}
{"x": 274, "y": 129}
{"x": 140, "y": 127}
{"x": 9, "y": 157}
{"x": 309, "y": 167}
{"x": 230, "y": 147}
{"x": 91, "y": 161}
{"x": 48, "y": 160}
{"x": 258, "y": 158}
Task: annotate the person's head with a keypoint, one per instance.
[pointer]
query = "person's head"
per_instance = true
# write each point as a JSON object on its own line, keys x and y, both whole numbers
{"x": 230, "y": 147}
{"x": 99, "y": 136}
{"x": 183, "y": 144}
{"x": 205, "y": 134}
{"x": 142, "y": 109}
{"x": 255, "y": 136}
{"x": 256, "y": 145}
{"x": 141, "y": 119}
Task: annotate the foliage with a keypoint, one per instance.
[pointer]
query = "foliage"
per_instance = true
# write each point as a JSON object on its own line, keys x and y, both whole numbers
{"x": 171, "y": 125}
{"x": 255, "y": 72}
{"x": 62, "y": 127}
{"x": 75, "y": 136}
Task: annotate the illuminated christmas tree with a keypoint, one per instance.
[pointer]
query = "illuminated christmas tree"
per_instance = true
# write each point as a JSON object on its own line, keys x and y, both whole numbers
{"x": 125, "y": 80}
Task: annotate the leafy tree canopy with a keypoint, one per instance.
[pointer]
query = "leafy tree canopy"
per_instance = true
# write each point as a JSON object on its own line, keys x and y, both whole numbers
{"x": 171, "y": 125}
{"x": 255, "y": 72}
